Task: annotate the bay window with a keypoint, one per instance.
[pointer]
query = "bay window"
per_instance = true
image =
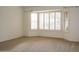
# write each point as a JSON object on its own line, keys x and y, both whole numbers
{"x": 46, "y": 20}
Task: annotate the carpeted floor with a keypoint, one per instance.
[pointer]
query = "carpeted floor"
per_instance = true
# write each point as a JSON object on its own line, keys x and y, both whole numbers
{"x": 39, "y": 44}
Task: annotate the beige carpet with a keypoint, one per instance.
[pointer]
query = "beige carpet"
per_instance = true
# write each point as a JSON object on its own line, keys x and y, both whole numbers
{"x": 39, "y": 44}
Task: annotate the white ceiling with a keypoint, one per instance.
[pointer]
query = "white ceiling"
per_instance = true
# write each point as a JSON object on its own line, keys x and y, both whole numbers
{"x": 37, "y": 8}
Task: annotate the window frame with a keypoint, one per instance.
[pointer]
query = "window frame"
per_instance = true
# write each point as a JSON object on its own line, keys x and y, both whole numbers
{"x": 38, "y": 28}
{"x": 31, "y": 21}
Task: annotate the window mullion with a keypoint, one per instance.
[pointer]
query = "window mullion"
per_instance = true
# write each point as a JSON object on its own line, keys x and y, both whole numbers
{"x": 44, "y": 21}
{"x": 54, "y": 20}
{"x": 38, "y": 21}
{"x": 49, "y": 20}
{"x": 61, "y": 22}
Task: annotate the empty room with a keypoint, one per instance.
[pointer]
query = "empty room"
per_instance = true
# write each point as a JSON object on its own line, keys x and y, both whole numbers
{"x": 39, "y": 29}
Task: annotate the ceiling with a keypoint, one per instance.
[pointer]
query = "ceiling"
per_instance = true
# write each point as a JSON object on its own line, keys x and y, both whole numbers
{"x": 37, "y": 8}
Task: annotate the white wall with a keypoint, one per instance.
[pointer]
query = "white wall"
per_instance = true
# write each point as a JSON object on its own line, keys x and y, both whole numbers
{"x": 73, "y": 35}
{"x": 11, "y": 23}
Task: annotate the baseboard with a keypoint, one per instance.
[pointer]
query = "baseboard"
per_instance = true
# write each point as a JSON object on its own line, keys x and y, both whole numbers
{"x": 73, "y": 41}
{"x": 13, "y": 39}
{"x": 45, "y": 37}
{"x": 30, "y": 36}
{"x": 51, "y": 38}
{"x": 42, "y": 37}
